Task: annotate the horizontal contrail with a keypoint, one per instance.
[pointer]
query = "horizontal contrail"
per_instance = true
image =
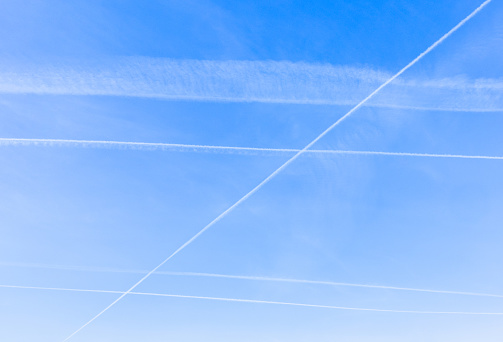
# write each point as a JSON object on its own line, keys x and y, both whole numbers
{"x": 244, "y": 277}
{"x": 254, "y": 301}
{"x": 331, "y": 283}
{"x": 246, "y": 81}
{"x": 216, "y": 149}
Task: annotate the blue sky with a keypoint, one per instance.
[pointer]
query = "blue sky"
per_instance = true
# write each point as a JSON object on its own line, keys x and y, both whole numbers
{"x": 265, "y": 75}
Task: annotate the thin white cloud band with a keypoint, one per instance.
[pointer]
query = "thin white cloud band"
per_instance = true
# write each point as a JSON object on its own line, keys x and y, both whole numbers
{"x": 247, "y": 81}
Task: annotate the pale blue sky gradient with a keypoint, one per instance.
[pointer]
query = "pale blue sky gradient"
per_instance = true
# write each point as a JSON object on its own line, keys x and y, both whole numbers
{"x": 67, "y": 212}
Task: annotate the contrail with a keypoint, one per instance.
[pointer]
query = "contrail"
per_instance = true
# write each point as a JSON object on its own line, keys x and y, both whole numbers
{"x": 247, "y": 81}
{"x": 217, "y": 149}
{"x": 331, "y": 283}
{"x": 254, "y": 301}
{"x": 288, "y": 162}
{"x": 254, "y": 278}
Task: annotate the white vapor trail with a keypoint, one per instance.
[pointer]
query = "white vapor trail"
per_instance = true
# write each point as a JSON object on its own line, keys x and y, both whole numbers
{"x": 330, "y": 283}
{"x": 245, "y": 277}
{"x": 284, "y": 165}
{"x": 216, "y": 149}
{"x": 247, "y": 81}
{"x": 254, "y": 301}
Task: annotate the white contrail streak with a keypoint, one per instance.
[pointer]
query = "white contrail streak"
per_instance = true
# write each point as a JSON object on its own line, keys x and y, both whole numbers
{"x": 254, "y": 301}
{"x": 288, "y": 162}
{"x": 216, "y": 149}
{"x": 254, "y": 278}
{"x": 330, "y": 283}
{"x": 247, "y": 81}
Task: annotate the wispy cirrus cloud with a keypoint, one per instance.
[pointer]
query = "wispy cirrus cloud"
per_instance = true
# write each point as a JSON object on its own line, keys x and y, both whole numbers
{"x": 247, "y": 81}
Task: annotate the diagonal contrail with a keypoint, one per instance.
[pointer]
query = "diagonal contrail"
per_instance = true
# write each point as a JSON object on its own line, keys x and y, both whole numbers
{"x": 255, "y": 301}
{"x": 253, "y": 278}
{"x": 217, "y": 149}
{"x": 288, "y": 162}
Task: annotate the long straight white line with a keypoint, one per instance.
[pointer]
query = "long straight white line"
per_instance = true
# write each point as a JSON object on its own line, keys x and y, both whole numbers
{"x": 253, "y": 278}
{"x": 288, "y": 162}
{"x": 218, "y": 149}
{"x": 330, "y": 283}
{"x": 255, "y": 301}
